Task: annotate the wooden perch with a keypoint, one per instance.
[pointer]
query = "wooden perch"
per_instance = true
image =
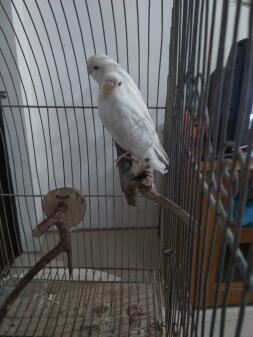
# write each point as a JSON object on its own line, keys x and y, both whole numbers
{"x": 57, "y": 218}
{"x": 137, "y": 176}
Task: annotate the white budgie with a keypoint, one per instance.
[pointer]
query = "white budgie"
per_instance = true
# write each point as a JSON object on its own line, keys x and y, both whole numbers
{"x": 124, "y": 113}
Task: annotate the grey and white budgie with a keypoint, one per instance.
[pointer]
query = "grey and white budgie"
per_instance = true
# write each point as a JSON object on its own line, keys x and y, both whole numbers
{"x": 124, "y": 113}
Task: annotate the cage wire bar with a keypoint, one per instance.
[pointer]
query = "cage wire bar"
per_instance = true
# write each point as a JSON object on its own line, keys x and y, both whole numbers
{"x": 52, "y": 134}
{"x": 50, "y": 137}
{"x": 202, "y": 178}
{"x": 137, "y": 271}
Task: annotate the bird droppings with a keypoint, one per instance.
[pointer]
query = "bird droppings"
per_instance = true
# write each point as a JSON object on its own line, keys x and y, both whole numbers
{"x": 135, "y": 313}
{"x": 102, "y": 309}
{"x": 51, "y": 297}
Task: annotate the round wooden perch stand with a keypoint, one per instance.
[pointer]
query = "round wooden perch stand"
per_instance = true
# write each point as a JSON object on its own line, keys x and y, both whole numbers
{"x": 68, "y": 208}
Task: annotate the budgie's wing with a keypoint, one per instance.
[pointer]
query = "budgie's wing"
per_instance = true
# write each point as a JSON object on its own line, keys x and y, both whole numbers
{"x": 143, "y": 113}
{"x": 134, "y": 92}
{"x": 127, "y": 124}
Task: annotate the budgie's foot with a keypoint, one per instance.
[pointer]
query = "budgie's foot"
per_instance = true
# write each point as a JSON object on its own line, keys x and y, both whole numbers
{"x": 125, "y": 155}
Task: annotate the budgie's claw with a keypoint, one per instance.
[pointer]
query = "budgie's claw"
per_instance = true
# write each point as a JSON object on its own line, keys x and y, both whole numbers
{"x": 125, "y": 155}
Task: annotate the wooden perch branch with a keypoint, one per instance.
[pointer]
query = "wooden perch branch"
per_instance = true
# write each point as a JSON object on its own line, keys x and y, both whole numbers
{"x": 57, "y": 218}
{"x": 138, "y": 176}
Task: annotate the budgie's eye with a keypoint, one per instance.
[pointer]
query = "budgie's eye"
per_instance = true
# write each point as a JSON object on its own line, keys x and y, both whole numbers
{"x": 96, "y": 68}
{"x": 120, "y": 84}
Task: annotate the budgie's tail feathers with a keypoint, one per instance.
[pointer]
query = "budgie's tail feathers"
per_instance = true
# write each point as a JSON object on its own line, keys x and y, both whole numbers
{"x": 162, "y": 155}
{"x": 157, "y": 164}
{"x": 159, "y": 150}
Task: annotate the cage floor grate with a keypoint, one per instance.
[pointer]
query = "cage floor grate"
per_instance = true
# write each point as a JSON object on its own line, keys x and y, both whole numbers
{"x": 72, "y": 308}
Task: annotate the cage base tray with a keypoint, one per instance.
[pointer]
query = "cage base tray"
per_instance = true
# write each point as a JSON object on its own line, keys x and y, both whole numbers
{"x": 71, "y": 308}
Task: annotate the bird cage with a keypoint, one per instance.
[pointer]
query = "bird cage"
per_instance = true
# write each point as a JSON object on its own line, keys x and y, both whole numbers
{"x": 78, "y": 257}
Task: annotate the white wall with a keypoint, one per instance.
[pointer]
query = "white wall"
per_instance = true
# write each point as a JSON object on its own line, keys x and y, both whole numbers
{"x": 16, "y": 131}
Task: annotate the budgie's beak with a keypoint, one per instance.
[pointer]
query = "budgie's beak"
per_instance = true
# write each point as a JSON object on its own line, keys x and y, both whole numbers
{"x": 108, "y": 87}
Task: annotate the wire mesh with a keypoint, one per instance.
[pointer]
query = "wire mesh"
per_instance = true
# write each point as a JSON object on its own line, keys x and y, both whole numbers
{"x": 51, "y": 137}
{"x": 207, "y": 267}
{"x": 137, "y": 270}
{"x": 52, "y": 133}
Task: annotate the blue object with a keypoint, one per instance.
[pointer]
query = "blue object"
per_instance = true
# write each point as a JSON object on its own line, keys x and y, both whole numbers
{"x": 247, "y": 218}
